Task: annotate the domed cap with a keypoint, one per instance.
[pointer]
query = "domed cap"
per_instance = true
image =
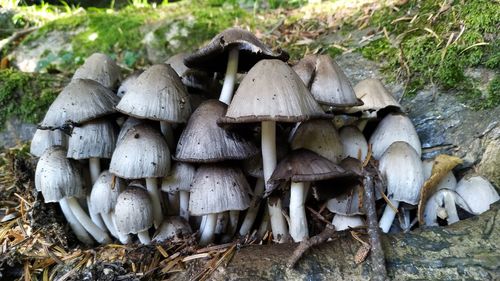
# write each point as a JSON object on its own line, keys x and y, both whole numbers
{"x": 342, "y": 222}
{"x": 58, "y": 177}
{"x": 43, "y": 139}
{"x": 157, "y": 94}
{"x": 272, "y": 91}
{"x": 328, "y": 83}
{"x": 127, "y": 83}
{"x": 128, "y": 124}
{"x": 171, "y": 228}
{"x": 319, "y": 136}
{"x": 133, "y": 211}
{"x": 303, "y": 165}
{"x": 305, "y": 69}
{"x": 143, "y": 153}
{"x": 375, "y": 98}
{"x": 253, "y": 165}
{"x": 478, "y": 194}
{"x": 354, "y": 143}
{"x": 213, "y": 57}
{"x": 349, "y": 203}
{"x": 80, "y": 101}
{"x": 394, "y": 127}
{"x": 94, "y": 139}
{"x": 218, "y": 188}
{"x": 193, "y": 79}
{"x": 100, "y": 68}
{"x": 402, "y": 169}
{"x": 203, "y": 140}
{"x": 180, "y": 178}
{"x": 105, "y": 192}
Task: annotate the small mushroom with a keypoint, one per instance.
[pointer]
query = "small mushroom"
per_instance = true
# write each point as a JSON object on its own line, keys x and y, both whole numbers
{"x": 342, "y": 222}
{"x": 100, "y": 68}
{"x": 354, "y": 143}
{"x": 43, "y": 139}
{"x": 128, "y": 82}
{"x": 477, "y": 194}
{"x": 172, "y": 228}
{"x": 375, "y": 97}
{"x": 180, "y": 179}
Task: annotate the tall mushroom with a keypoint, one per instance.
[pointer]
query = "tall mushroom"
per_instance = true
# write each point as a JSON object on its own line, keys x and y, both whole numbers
{"x": 271, "y": 92}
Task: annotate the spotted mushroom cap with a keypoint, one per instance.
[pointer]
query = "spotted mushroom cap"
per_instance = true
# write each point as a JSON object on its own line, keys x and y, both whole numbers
{"x": 133, "y": 211}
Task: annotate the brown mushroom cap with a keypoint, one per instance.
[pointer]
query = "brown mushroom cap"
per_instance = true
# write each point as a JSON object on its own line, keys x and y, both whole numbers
{"x": 272, "y": 91}
{"x": 214, "y": 56}
{"x": 204, "y": 141}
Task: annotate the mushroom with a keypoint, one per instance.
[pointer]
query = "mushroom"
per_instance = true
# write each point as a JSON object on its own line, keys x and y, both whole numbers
{"x": 180, "y": 179}
{"x": 298, "y": 167}
{"x": 235, "y": 48}
{"x": 158, "y": 94}
{"x": 143, "y": 153}
{"x": 271, "y": 92}
{"x": 217, "y": 188}
{"x": 375, "y": 97}
{"x": 401, "y": 167}
{"x": 394, "y": 127}
{"x": 100, "y": 68}
{"x": 477, "y": 194}
{"x": 59, "y": 179}
{"x": 342, "y": 222}
{"x": 134, "y": 213}
{"x": 127, "y": 83}
{"x": 43, "y": 139}
{"x": 171, "y": 229}
{"x": 354, "y": 143}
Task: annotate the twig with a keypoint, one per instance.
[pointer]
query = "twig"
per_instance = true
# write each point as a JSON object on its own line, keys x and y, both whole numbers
{"x": 306, "y": 244}
{"x": 377, "y": 253}
{"x": 16, "y": 36}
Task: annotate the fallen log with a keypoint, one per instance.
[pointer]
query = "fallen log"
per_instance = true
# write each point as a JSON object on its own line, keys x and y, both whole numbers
{"x": 467, "y": 250}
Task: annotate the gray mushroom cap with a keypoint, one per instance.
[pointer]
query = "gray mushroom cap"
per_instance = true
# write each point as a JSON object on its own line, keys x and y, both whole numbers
{"x": 143, "y": 153}
{"x": 58, "y": 177}
{"x": 478, "y": 194}
{"x": 171, "y": 228}
{"x": 328, "y": 83}
{"x": 342, "y": 222}
{"x": 128, "y": 124}
{"x": 127, "y": 83}
{"x": 43, "y": 139}
{"x": 214, "y": 56}
{"x": 94, "y": 139}
{"x": 319, "y": 136}
{"x": 375, "y": 98}
{"x": 218, "y": 188}
{"x": 133, "y": 211}
{"x": 80, "y": 101}
{"x": 402, "y": 169}
{"x": 193, "y": 78}
{"x": 100, "y": 68}
{"x": 354, "y": 142}
{"x": 253, "y": 166}
{"x": 349, "y": 203}
{"x": 394, "y": 127}
{"x": 203, "y": 140}
{"x": 157, "y": 94}
{"x": 105, "y": 192}
{"x": 180, "y": 178}
{"x": 272, "y": 91}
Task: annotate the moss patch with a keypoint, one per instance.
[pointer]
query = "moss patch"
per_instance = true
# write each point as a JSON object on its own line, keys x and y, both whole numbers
{"x": 26, "y": 96}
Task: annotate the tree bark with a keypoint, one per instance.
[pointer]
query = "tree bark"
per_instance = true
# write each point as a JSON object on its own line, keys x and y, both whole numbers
{"x": 467, "y": 250}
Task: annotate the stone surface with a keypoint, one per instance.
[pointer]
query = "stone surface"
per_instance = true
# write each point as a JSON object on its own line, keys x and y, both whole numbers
{"x": 489, "y": 166}
{"x": 15, "y": 131}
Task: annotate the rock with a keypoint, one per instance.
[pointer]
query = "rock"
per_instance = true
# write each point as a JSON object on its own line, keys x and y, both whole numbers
{"x": 489, "y": 166}
{"x": 16, "y": 131}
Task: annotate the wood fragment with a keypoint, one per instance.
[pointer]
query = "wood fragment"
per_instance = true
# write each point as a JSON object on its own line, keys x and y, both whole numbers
{"x": 306, "y": 244}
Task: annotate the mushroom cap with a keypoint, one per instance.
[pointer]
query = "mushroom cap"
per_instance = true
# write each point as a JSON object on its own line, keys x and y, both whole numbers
{"x": 58, "y": 177}
{"x": 218, "y": 188}
{"x": 431, "y": 208}
{"x": 128, "y": 124}
{"x": 172, "y": 227}
{"x": 100, "y": 68}
{"x": 375, "y": 98}
{"x": 180, "y": 178}
{"x": 143, "y": 153}
{"x": 348, "y": 203}
{"x": 345, "y": 222}
{"x": 448, "y": 182}
{"x": 402, "y": 169}
{"x": 319, "y": 136}
{"x": 203, "y": 140}
{"x": 43, "y": 139}
{"x": 303, "y": 165}
{"x": 80, "y": 101}
{"x": 105, "y": 192}
{"x": 94, "y": 139}
{"x": 192, "y": 78}
{"x": 133, "y": 211}
{"x": 327, "y": 82}
{"x": 272, "y": 91}
{"x": 253, "y": 165}
{"x": 127, "y": 83}
{"x": 157, "y": 94}
{"x": 354, "y": 142}
{"x": 478, "y": 194}
{"x": 214, "y": 56}
{"x": 394, "y": 127}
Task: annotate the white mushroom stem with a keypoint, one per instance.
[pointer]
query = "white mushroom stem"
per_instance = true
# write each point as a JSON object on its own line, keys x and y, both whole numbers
{"x": 230, "y": 79}
{"x": 95, "y": 217}
{"x": 388, "y": 216}
{"x": 108, "y": 221}
{"x": 298, "y": 220}
{"x": 95, "y": 170}
{"x": 123, "y": 237}
{"x": 184, "y": 204}
{"x": 98, "y": 234}
{"x": 207, "y": 236}
{"x": 75, "y": 225}
{"x": 251, "y": 214}
{"x": 451, "y": 208}
{"x": 144, "y": 237}
{"x": 168, "y": 133}
{"x": 203, "y": 223}
{"x": 152, "y": 186}
{"x": 278, "y": 223}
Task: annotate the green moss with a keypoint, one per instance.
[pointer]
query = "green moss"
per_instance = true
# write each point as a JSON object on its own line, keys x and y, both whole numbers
{"x": 26, "y": 96}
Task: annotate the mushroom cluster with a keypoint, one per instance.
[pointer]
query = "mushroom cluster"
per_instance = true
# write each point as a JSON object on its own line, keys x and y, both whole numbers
{"x": 172, "y": 150}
